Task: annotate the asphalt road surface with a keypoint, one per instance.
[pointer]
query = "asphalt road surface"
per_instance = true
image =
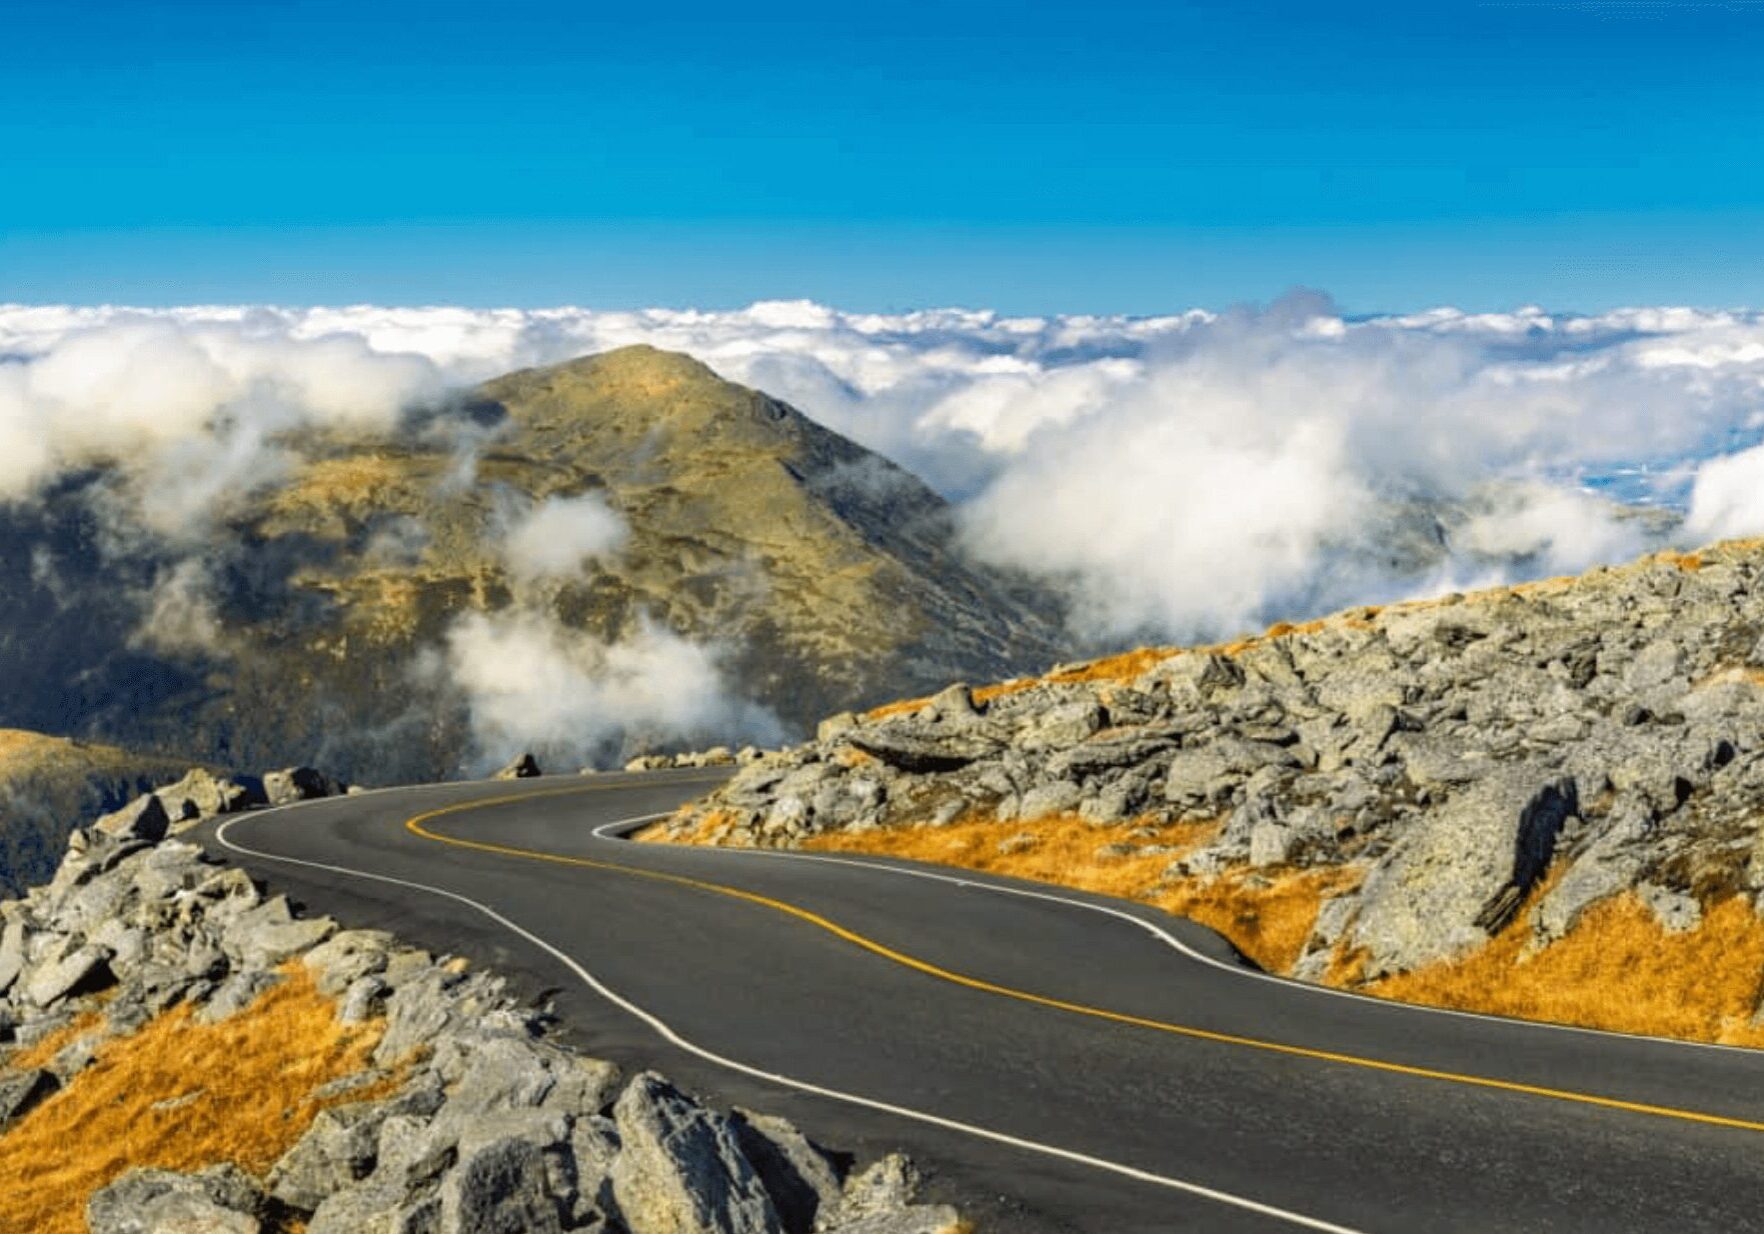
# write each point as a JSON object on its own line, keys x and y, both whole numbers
{"x": 1055, "y": 1061}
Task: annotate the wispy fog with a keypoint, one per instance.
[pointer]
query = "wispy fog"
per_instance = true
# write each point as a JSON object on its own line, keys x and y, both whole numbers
{"x": 1184, "y": 476}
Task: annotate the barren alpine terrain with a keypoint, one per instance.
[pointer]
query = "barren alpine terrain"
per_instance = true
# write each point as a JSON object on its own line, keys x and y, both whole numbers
{"x": 1540, "y": 801}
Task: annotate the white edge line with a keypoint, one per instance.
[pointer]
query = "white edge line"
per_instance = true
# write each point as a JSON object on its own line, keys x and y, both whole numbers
{"x": 981, "y": 882}
{"x": 674, "y": 1038}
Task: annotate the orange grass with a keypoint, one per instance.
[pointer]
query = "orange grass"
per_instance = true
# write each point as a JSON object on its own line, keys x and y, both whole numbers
{"x": 344, "y": 481}
{"x": 16, "y": 744}
{"x": 242, "y": 1091}
{"x": 1267, "y": 915}
{"x": 703, "y": 830}
{"x": 22, "y": 752}
{"x": 1617, "y": 969}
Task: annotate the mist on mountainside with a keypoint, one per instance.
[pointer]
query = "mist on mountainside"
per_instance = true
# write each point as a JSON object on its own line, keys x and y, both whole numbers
{"x": 274, "y": 534}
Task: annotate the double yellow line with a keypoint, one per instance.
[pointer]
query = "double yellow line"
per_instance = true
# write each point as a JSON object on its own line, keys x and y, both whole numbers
{"x": 418, "y": 825}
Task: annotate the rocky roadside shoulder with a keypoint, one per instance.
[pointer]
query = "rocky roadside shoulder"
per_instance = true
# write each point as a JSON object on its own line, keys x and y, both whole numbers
{"x": 1607, "y": 731}
{"x": 466, "y": 1118}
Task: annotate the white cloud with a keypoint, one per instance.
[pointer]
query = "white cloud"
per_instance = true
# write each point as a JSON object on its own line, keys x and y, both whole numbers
{"x": 1728, "y": 497}
{"x": 188, "y": 404}
{"x": 1188, "y": 474}
{"x": 180, "y": 617}
{"x": 555, "y": 537}
{"x": 532, "y": 684}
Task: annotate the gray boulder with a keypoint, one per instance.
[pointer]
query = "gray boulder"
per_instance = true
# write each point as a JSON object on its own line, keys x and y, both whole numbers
{"x": 1610, "y": 864}
{"x": 886, "y": 1186}
{"x": 142, "y": 819}
{"x": 21, "y": 1092}
{"x": 266, "y": 935}
{"x": 202, "y": 794}
{"x": 1063, "y": 725}
{"x": 499, "y": 1188}
{"x": 521, "y": 767}
{"x": 680, "y": 1168}
{"x": 293, "y": 784}
{"x": 12, "y": 952}
{"x": 799, "y": 1177}
{"x": 376, "y": 1208}
{"x": 913, "y": 1219}
{"x": 1049, "y": 800}
{"x": 338, "y": 1150}
{"x": 922, "y": 749}
{"x": 347, "y": 957}
{"x": 1432, "y": 898}
{"x": 218, "y": 1200}
{"x": 1676, "y": 911}
{"x": 85, "y": 970}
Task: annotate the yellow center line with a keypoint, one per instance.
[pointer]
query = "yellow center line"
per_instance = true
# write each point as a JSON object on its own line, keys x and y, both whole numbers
{"x": 416, "y": 825}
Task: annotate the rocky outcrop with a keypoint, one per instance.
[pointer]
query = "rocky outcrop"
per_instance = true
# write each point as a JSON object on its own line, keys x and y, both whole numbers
{"x": 521, "y": 767}
{"x": 49, "y": 785}
{"x": 1606, "y": 730}
{"x": 716, "y": 756}
{"x": 472, "y": 1119}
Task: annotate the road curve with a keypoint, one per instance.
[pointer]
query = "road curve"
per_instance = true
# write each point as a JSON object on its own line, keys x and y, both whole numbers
{"x": 1058, "y": 1061}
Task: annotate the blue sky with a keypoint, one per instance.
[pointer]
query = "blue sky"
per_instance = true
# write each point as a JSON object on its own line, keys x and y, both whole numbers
{"x": 1035, "y": 158}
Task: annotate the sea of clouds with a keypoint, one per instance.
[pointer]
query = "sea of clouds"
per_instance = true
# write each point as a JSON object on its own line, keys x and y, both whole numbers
{"x": 1181, "y": 477}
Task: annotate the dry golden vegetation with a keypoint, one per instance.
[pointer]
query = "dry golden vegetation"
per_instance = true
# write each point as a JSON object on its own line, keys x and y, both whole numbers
{"x": 22, "y": 752}
{"x": 1266, "y": 914}
{"x": 181, "y": 1095}
{"x": 707, "y": 828}
{"x": 385, "y": 606}
{"x": 1617, "y": 969}
{"x": 344, "y": 482}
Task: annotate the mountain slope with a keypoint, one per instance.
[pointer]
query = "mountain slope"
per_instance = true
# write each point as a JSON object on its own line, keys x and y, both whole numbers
{"x": 48, "y": 784}
{"x": 1545, "y": 800}
{"x": 312, "y": 622}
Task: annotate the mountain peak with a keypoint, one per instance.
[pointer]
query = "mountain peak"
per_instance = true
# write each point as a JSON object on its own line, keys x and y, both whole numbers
{"x": 632, "y": 390}
{"x": 829, "y": 574}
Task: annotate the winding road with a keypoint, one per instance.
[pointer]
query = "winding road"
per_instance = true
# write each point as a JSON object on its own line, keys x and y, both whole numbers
{"x": 1055, "y": 1061}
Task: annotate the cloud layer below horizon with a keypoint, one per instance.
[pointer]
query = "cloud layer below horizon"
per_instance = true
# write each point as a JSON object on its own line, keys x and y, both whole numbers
{"x": 1185, "y": 476}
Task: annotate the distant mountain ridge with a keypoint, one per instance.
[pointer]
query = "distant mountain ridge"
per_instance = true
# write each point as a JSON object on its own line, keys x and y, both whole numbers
{"x": 309, "y": 628}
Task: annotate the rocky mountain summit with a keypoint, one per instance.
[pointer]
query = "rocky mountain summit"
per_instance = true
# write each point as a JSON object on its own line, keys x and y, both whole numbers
{"x": 308, "y": 619}
{"x": 1466, "y": 767}
{"x": 153, "y": 1002}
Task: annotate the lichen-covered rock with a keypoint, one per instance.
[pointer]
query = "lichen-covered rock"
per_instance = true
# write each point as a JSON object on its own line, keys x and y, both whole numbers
{"x": 293, "y": 784}
{"x": 521, "y": 767}
{"x": 202, "y": 794}
{"x": 680, "y": 1168}
{"x": 83, "y": 969}
{"x": 800, "y": 1178}
{"x": 1429, "y": 899}
{"x": 21, "y": 1092}
{"x": 219, "y": 1200}
{"x": 142, "y": 819}
{"x": 499, "y": 1187}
